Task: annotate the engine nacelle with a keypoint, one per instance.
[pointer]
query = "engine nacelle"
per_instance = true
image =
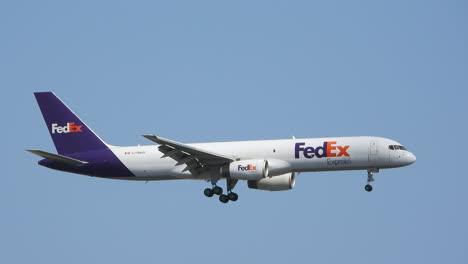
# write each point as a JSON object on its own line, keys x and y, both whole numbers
{"x": 278, "y": 183}
{"x": 246, "y": 170}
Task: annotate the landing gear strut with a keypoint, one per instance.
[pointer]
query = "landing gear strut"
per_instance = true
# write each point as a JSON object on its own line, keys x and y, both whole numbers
{"x": 370, "y": 178}
{"x": 230, "y": 196}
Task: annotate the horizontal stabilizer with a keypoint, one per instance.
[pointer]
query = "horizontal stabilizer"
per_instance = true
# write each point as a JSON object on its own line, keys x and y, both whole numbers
{"x": 58, "y": 158}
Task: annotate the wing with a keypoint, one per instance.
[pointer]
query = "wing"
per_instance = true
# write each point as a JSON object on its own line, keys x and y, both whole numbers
{"x": 195, "y": 159}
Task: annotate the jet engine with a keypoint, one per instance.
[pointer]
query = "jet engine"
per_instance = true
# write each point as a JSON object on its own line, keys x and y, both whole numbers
{"x": 278, "y": 183}
{"x": 246, "y": 170}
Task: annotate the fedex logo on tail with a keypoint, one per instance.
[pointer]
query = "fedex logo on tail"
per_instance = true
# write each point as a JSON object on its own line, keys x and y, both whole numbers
{"x": 70, "y": 127}
{"x": 328, "y": 149}
{"x": 249, "y": 167}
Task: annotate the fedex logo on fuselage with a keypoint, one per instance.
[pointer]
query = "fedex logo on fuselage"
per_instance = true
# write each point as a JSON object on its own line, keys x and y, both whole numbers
{"x": 249, "y": 167}
{"x": 70, "y": 127}
{"x": 328, "y": 149}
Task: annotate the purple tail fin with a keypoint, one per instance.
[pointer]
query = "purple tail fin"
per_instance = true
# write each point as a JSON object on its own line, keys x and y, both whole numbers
{"x": 69, "y": 133}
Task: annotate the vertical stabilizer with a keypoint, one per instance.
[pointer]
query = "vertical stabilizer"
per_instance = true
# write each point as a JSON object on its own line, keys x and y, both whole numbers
{"x": 69, "y": 133}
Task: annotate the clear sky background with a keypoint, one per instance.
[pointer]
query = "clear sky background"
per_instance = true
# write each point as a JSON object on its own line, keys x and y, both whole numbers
{"x": 198, "y": 71}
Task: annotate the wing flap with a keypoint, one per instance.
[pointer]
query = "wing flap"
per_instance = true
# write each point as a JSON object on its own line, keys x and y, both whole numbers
{"x": 191, "y": 162}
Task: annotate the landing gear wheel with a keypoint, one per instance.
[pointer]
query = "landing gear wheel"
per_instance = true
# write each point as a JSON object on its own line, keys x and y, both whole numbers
{"x": 368, "y": 187}
{"x": 217, "y": 190}
{"x": 233, "y": 196}
{"x": 223, "y": 198}
{"x": 208, "y": 192}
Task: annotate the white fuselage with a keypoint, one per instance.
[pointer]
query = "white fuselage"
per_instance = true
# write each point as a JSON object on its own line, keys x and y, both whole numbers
{"x": 270, "y": 165}
{"x": 286, "y": 155}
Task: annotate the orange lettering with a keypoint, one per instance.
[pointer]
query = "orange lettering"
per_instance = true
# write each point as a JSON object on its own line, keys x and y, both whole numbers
{"x": 343, "y": 151}
{"x": 330, "y": 148}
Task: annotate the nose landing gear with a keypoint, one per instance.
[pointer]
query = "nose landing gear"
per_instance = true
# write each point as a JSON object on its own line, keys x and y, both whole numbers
{"x": 370, "y": 178}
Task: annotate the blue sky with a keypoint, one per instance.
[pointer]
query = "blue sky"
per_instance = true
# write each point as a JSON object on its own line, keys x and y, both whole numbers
{"x": 198, "y": 71}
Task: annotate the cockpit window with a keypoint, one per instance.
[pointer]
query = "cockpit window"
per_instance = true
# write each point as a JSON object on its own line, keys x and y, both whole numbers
{"x": 396, "y": 147}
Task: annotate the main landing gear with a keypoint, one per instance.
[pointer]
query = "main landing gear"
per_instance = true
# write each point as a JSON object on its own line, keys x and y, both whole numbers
{"x": 224, "y": 198}
{"x": 370, "y": 178}
{"x": 209, "y": 192}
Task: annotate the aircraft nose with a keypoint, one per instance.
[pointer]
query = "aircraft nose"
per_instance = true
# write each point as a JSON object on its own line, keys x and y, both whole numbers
{"x": 411, "y": 158}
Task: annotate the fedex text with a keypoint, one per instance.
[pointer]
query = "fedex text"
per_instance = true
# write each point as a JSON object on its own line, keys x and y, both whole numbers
{"x": 328, "y": 149}
{"x": 249, "y": 167}
{"x": 70, "y": 127}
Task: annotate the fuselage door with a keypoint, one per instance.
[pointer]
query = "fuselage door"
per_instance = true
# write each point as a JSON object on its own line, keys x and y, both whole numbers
{"x": 373, "y": 151}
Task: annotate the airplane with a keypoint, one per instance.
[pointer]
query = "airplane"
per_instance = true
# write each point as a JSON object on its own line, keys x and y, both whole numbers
{"x": 270, "y": 165}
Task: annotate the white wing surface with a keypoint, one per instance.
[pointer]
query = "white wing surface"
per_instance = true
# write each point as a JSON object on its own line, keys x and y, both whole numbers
{"x": 196, "y": 159}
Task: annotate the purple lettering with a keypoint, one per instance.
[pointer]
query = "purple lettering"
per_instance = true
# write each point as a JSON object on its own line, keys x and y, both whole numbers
{"x": 323, "y": 149}
{"x": 298, "y": 149}
{"x": 308, "y": 152}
